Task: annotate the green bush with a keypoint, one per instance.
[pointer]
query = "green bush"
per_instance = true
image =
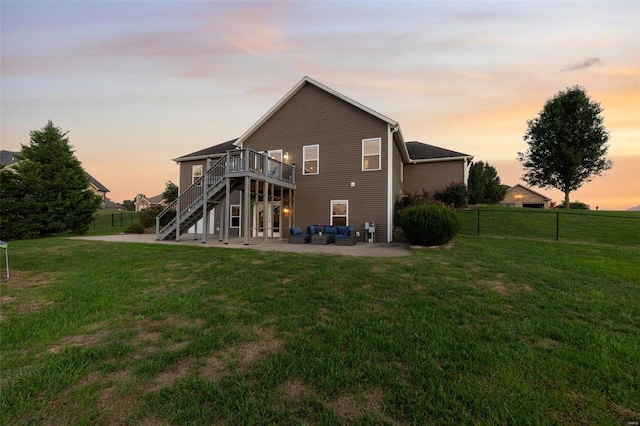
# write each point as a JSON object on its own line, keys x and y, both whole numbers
{"x": 574, "y": 205}
{"x": 456, "y": 195}
{"x": 134, "y": 228}
{"x": 148, "y": 216}
{"x": 429, "y": 224}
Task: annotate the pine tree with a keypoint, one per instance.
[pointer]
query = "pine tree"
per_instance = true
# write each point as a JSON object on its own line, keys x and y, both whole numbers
{"x": 53, "y": 186}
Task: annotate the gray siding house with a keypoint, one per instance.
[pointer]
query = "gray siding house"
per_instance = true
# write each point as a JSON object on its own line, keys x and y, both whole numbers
{"x": 316, "y": 157}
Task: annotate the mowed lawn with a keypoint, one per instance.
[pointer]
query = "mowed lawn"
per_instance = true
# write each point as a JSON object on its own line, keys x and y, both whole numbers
{"x": 489, "y": 330}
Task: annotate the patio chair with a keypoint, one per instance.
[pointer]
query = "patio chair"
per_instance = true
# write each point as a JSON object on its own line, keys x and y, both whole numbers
{"x": 346, "y": 236}
{"x": 296, "y": 236}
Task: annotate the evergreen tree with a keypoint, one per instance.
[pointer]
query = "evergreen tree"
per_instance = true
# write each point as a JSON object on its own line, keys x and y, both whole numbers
{"x": 484, "y": 184}
{"x": 52, "y": 186}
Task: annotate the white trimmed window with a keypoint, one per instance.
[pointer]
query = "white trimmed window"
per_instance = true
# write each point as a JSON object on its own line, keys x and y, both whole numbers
{"x": 234, "y": 215}
{"x": 196, "y": 173}
{"x": 311, "y": 155}
{"x": 339, "y": 212}
{"x": 371, "y": 154}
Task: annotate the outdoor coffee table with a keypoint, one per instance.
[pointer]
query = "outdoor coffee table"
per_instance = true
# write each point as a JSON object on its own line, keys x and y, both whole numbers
{"x": 319, "y": 239}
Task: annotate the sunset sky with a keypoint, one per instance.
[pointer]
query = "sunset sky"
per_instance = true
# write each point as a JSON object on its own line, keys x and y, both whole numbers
{"x": 137, "y": 83}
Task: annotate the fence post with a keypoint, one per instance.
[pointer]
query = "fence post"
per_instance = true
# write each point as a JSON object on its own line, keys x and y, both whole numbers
{"x": 112, "y": 219}
{"x": 557, "y": 226}
{"x": 478, "y": 222}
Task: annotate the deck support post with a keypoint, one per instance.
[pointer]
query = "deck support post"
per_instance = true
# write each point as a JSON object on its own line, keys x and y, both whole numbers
{"x": 226, "y": 210}
{"x": 265, "y": 211}
{"x": 245, "y": 210}
{"x": 178, "y": 210}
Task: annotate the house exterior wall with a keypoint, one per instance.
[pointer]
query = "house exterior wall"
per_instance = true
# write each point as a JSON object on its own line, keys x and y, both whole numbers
{"x": 517, "y": 196}
{"x": 314, "y": 117}
{"x": 432, "y": 177}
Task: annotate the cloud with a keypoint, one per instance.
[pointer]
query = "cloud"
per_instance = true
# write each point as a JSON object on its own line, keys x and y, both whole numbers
{"x": 587, "y": 63}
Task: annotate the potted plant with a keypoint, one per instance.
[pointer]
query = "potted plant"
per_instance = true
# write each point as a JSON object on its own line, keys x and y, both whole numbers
{"x": 320, "y": 230}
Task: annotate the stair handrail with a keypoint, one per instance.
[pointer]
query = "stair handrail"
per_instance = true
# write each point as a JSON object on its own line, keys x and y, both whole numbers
{"x": 192, "y": 194}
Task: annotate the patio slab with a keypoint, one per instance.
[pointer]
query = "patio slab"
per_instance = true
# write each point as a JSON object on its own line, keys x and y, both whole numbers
{"x": 282, "y": 245}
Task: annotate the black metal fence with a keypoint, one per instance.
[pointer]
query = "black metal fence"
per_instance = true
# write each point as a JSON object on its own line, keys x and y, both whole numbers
{"x": 119, "y": 219}
{"x": 621, "y": 228}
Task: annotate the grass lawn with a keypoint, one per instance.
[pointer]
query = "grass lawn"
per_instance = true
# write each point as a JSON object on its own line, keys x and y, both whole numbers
{"x": 490, "y": 330}
{"x": 110, "y": 222}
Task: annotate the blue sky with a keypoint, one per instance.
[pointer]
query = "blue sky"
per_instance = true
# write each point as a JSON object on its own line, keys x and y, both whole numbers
{"x": 140, "y": 82}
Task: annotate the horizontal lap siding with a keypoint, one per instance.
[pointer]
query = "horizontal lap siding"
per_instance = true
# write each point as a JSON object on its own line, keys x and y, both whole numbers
{"x": 312, "y": 117}
{"x": 432, "y": 177}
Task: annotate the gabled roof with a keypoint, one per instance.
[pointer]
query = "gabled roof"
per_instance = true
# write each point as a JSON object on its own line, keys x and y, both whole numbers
{"x": 8, "y": 157}
{"x": 420, "y": 152}
{"x": 100, "y": 187}
{"x": 530, "y": 190}
{"x": 212, "y": 151}
{"x": 308, "y": 80}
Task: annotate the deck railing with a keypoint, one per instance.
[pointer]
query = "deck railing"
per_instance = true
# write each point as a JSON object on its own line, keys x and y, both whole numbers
{"x": 234, "y": 163}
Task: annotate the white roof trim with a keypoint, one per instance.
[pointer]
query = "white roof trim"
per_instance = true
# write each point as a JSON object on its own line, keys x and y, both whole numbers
{"x": 198, "y": 157}
{"x": 435, "y": 160}
{"x": 295, "y": 90}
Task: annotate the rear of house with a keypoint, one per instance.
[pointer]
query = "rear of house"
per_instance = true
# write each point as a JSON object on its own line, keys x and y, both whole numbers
{"x": 350, "y": 165}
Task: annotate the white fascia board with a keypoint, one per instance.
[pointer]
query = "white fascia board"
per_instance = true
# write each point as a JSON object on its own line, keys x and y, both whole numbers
{"x": 292, "y": 92}
{"x": 197, "y": 157}
{"x": 435, "y": 160}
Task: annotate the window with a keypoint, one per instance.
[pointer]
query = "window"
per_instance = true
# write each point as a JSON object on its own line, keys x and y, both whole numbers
{"x": 339, "y": 212}
{"x": 371, "y": 154}
{"x": 234, "y": 214}
{"x": 196, "y": 173}
{"x": 275, "y": 156}
{"x": 311, "y": 155}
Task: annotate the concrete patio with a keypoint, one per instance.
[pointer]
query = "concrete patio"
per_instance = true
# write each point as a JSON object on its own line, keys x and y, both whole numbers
{"x": 360, "y": 249}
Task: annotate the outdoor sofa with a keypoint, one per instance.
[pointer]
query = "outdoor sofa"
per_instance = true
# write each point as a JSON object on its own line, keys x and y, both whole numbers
{"x": 340, "y": 235}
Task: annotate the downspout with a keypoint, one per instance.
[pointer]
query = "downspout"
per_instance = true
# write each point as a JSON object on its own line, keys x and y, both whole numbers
{"x": 390, "y": 144}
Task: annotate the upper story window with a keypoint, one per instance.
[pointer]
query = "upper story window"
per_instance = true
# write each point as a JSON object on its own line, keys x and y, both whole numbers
{"x": 371, "y": 153}
{"x": 311, "y": 155}
{"x": 196, "y": 173}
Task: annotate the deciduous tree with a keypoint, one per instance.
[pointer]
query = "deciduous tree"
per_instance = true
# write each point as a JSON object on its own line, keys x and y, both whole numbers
{"x": 484, "y": 184}
{"x": 567, "y": 143}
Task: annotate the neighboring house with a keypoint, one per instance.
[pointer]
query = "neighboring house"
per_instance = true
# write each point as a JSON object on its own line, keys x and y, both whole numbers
{"x": 112, "y": 205}
{"x": 142, "y": 202}
{"x": 316, "y": 157}
{"x": 7, "y": 158}
{"x": 98, "y": 189}
{"x": 521, "y": 196}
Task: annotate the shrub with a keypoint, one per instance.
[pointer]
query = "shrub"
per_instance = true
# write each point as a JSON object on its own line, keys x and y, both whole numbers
{"x": 456, "y": 195}
{"x": 148, "y": 216}
{"x": 429, "y": 224}
{"x": 574, "y": 205}
{"x": 134, "y": 228}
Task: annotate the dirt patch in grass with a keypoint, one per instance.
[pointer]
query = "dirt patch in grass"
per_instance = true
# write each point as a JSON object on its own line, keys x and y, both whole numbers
{"x": 85, "y": 340}
{"x": 171, "y": 375}
{"x": 24, "y": 279}
{"x": 217, "y": 365}
{"x": 499, "y": 285}
{"x": 296, "y": 390}
{"x": 348, "y": 406}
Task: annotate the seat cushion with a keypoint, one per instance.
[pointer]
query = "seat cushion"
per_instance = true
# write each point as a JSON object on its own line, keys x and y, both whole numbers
{"x": 296, "y": 231}
{"x": 343, "y": 230}
{"x": 313, "y": 229}
{"x": 331, "y": 230}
